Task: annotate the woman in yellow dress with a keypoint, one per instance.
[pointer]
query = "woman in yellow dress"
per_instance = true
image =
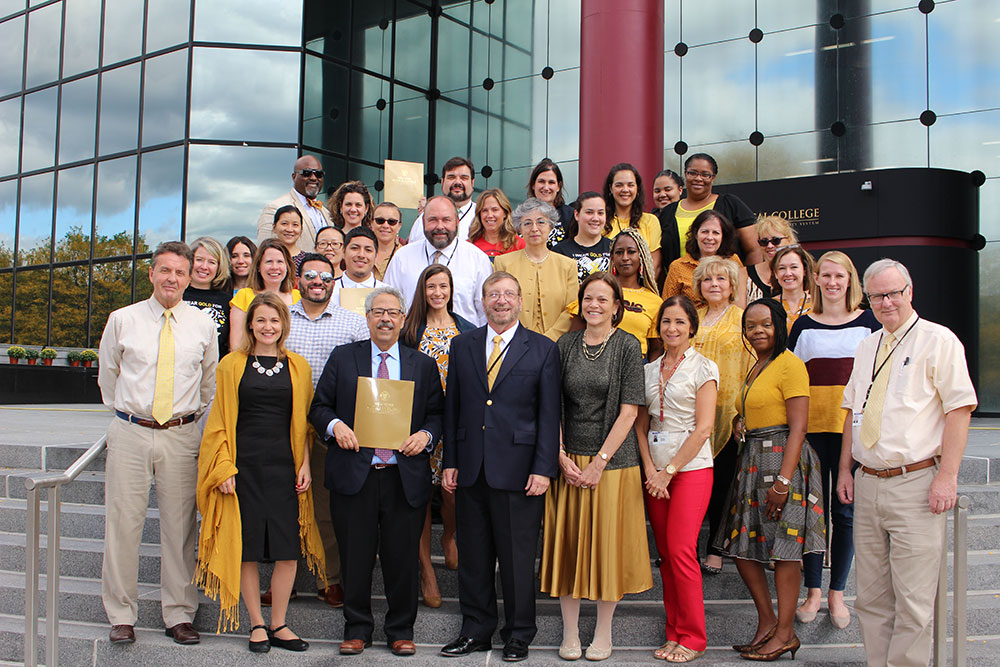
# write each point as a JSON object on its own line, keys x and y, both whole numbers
{"x": 626, "y": 200}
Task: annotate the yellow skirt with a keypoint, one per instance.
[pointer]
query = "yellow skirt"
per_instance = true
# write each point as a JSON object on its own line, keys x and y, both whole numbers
{"x": 594, "y": 545}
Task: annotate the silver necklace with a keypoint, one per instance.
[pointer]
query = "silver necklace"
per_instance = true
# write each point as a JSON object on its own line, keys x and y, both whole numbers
{"x": 593, "y": 356}
{"x": 274, "y": 370}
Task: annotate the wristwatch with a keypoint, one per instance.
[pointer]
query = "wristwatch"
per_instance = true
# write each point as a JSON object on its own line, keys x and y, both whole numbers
{"x": 784, "y": 480}
{"x": 671, "y": 469}
{"x": 603, "y": 455}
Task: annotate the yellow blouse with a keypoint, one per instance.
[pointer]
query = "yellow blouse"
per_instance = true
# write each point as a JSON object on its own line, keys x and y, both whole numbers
{"x": 684, "y": 219}
{"x": 763, "y": 404}
{"x": 680, "y": 278}
{"x": 245, "y": 296}
{"x": 649, "y": 227}
{"x": 641, "y": 308}
{"x": 546, "y": 289}
{"x": 722, "y": 342}
{"x": 805, "y": 306}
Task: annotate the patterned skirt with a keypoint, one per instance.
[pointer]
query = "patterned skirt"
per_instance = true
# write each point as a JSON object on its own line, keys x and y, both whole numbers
{"x": 747, "y": 532}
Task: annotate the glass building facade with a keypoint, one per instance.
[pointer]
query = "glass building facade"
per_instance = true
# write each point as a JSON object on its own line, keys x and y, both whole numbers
{"x": 127, "y": 122}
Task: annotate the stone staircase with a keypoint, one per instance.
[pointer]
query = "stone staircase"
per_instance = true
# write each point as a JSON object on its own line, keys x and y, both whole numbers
{"x": 638, "y": 623}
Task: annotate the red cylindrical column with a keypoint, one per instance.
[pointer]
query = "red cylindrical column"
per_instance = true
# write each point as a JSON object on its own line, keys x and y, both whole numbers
{"x": 621, "y": 89}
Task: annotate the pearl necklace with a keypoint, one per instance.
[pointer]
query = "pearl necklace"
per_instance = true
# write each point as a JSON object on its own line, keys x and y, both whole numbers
{"x": 274, "y": 370}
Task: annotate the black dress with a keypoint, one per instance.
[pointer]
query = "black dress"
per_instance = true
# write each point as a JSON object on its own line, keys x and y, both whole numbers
{"x": 265, "y": 483}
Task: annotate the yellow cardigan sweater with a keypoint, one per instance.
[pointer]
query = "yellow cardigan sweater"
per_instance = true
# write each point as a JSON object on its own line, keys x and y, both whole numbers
{"x": 220, "y": 546}
{"x": 546, "y": 289}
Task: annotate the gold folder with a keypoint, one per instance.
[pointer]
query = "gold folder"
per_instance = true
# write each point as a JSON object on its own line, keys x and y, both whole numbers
{"x": 382, "y": 412}
{"x": 404, "y": 183}
{"x": 353, "y": 299}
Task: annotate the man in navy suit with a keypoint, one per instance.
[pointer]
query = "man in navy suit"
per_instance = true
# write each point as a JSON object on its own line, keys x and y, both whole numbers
{"x": 501, "y": 445}
{"x": 378, "y": 497}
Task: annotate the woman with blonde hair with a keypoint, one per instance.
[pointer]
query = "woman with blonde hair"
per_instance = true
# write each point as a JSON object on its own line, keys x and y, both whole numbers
{"x": 792, "y": 271}
{"x": 825, "y": 339}
{"x": 492, "y": 230}
{"x": 271, "y": 271}
{"x": 351, "y": 206}
{"x": 253, "y": 478}
{"x": 211, "y": 288}
{"x": 772, "y": 233}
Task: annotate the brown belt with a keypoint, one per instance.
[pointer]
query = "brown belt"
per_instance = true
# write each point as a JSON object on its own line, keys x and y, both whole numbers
{"x": 893, "y": 472}
{"x": 152, "y": 423}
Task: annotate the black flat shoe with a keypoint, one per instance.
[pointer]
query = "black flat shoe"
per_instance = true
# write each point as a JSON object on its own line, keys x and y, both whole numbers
{"x": 297, "y": 644}
{"x": 464, "y": 646}
{"x": 261, "y": 646}
{"x": 515, "y": 650}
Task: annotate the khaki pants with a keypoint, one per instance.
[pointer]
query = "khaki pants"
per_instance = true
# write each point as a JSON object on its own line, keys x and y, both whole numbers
{"x": 321, "y": 508}
{"x": 136, "y": 457}
{"x": 898, "y": 549}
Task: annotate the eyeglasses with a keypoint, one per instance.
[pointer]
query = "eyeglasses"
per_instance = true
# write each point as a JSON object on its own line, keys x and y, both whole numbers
{"x": 391, "y": 312}
{"x": 774, "y": 240}
{"x": 894, "y": 295}
{"x": 329, "y": 244}
{"x": 309, "y": 173}
{"x": 705, "y": 175}
{"x": 326, "y": 276}
{"x": 535, "y": 223}
{"x": 509, "y": 294}
{"x": 392, "y": 222}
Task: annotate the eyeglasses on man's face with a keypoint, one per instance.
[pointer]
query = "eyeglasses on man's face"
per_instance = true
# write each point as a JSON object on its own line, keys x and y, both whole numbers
{"x": 894, "y": 295}
{"x": 394, "y": 313}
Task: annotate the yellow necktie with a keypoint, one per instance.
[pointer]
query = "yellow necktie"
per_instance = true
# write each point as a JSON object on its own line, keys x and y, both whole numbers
{"x": 493, "y": 364}
{"x": 163, "y": 398}
{"x": 871, "y": 422}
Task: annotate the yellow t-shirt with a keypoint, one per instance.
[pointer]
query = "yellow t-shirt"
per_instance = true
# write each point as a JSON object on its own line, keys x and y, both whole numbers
{"x": 641, "y": 307}
{"x": 785, "y": 377}
{"x": 245, "y": 296}
{"x": 649, "y": 227}
{"x": 684, "y": 219}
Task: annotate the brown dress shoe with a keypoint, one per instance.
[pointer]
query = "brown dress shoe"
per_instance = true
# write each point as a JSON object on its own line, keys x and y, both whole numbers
{"x": 183, "y": 633}
{"x": 122, "y": 634}
{"x": 334, "y": 596}
{"x": 265, "y": 597}
{"x": 354, "y": 646}
{"x": 403, "y": 647}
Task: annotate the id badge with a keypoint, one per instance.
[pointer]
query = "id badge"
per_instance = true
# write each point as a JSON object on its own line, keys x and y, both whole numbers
{"x": 856, "y": 419}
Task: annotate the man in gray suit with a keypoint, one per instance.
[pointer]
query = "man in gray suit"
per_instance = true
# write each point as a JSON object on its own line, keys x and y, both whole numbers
{"x": 307, "y": 182}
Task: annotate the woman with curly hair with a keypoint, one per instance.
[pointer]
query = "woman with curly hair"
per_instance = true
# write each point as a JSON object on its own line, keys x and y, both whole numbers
{"x": 351, "y": 206}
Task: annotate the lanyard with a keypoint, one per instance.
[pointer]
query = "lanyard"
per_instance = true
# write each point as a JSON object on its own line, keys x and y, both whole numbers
{"x": 496, "y": 361}
{"x": 663, "y": 389}
{"x": 448, "y": 263}
{"x": 747, "y": 383}
{"x": 876, "y": 371}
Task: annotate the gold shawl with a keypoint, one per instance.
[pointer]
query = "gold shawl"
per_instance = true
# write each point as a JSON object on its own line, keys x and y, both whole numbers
{"x": 723, "y": 343}
{"x": 220, "y": 545}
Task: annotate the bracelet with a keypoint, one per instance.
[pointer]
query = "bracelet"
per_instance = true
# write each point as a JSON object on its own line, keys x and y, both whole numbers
{"x": 780, "y": 493}
{"x": 784, "y": 480}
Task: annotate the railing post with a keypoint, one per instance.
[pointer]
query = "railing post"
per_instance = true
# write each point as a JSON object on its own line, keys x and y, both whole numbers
{"x": 961, "y": 573}
{"x": 941, "y": 612}
{"x": 52, "y": 580}
{"x": 31, "y": 581}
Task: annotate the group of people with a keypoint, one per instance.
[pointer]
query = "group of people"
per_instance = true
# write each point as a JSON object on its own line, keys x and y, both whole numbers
{"x": 575, "y": 369}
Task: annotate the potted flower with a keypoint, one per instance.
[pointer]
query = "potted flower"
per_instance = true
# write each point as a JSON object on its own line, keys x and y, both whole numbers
{"x": 16, "y": 353}
{"x": 47, "y": 354}
{"x": 73, "y": 357}
{"x": 31, "y": 354}
{"x": 88, "y": 357}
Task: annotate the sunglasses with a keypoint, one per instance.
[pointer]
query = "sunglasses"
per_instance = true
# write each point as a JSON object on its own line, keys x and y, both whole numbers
{"x": 774, "y": 240}
{"x": 326, "y": 276}
{"x": 392, "y": 222}
{"x": 309, "y": 173}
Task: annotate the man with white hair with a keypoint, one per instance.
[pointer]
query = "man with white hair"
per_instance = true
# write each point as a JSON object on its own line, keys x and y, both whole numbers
{"x": 909, "y": 400}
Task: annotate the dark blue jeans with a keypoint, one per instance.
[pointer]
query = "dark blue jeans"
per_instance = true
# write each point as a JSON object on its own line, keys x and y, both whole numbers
{"x": 827, "y": 448}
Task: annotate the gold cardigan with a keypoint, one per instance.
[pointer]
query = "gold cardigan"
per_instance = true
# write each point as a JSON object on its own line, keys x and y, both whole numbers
{"x": 220, "y": 546}
{"x": 546, "y": 290}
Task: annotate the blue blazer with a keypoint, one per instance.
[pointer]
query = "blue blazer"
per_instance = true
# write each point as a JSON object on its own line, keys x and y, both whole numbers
{"x": 513, "y": 430}
{"x": 335, "y": 397}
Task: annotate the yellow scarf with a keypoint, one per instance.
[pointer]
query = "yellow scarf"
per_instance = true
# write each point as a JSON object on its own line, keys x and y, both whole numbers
{"x": 220, "y": 546}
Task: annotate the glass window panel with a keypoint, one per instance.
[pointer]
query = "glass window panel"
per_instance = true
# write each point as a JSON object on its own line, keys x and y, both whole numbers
{"x": 369, "y": 126}
{"x": 367, "y": 174}
{"x": 160, "y": 201}
{"x": 122, "y": 30}
{"x": 477, "y": 138}
{"x": 31, "y": 305}
{"x": 69, "y": 312}
{"x": 119, "y": 109}
{"x": 167, "y": 23}
{"x": 8, "y": 7}
{"x": 10, "y": 135}
{"x": 229, "y": 185}
{"x": 38, "y": 142}
{"x": 413, "y": 44}
{"x": 786, "y": 82}
{"x": 513, "y": 99}
{"x": 564, "y": 117}
{"x": 73, "y": 213}
{"x": 112, "y": 289}
{"x": 78, "y": 120}
{"x": 35, "y": 230}
{"x": 781, "y": 15}
{"x": 322, "y": 21}
{"x": 737, "y": 161}
{"x": 898, "y": 75}
{"x": 114, "y": 223}
{"x": 452, "y": 131}
{"x": 564, "y": 33}
{"x": 165, "y": 105}
{"x": 143, "y": 288}
{"x": 571, "y": 179}
{"x": 516, "y": 146}
{"x": 453, "y": 56}
{"x": 966, "y": 142}
{"x": 482, "y": 13}
{"x": 82, "y": 36}
{"x": 794, "y": 155}
{"x": 372, "y": 46}
{"x": 850, "y": 9}
{"x": 249, "y": 22}
{"x": 44, "y": 34}
{"x": 409, "y": 130}
{"x": 718, "y": 102}
{"x": 989, "y": 203}
{"x": 512, "y": 182}
{"x": 224, "y": 106}
{"x": 8, "y": 213}
{"x": 460, "y": 11}
{"x": 6, "y": 306}
{"x": 989, "y": 328}
{"x": 11, "y": 55}
{"x": 672, "y": 100}
{"x": 517, "y": 22}
{"x": 325, "y": 111}
{"x": 902, "y": 144}
{"x": 964, "y": 43}
{"x": 702, "y": 22}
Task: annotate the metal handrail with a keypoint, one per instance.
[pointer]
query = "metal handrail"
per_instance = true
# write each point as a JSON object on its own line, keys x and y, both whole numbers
{"x": 53, "y": 481}
{"x": 960, "y": 585}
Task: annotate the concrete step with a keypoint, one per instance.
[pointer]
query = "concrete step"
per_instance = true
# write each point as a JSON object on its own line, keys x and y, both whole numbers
{"x": 47, "y": 457}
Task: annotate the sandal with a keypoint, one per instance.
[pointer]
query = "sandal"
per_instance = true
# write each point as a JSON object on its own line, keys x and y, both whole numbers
{"x": 708, "y": 569}
{"x": 683, "y": 654}
{"x": 665, "y": 650}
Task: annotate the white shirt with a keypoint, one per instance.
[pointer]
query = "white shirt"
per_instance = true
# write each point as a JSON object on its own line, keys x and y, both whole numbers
{"x": 466, "y": 214}
{"x": 469, "y": 266}
{"x": 314, "y": 213}
{"x": 345, "y": 282}
{"x": 507, "y": 337}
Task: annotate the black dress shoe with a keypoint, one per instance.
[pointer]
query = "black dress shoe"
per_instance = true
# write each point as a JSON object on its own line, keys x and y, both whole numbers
{"x": 466, "y": 645}
{"x": 515, "y": 650}
{"x": 262, "y": 646}
{"x": 295, "y": 644}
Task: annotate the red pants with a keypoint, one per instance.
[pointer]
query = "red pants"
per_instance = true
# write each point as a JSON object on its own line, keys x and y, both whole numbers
{"x": 676, "y": 523}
